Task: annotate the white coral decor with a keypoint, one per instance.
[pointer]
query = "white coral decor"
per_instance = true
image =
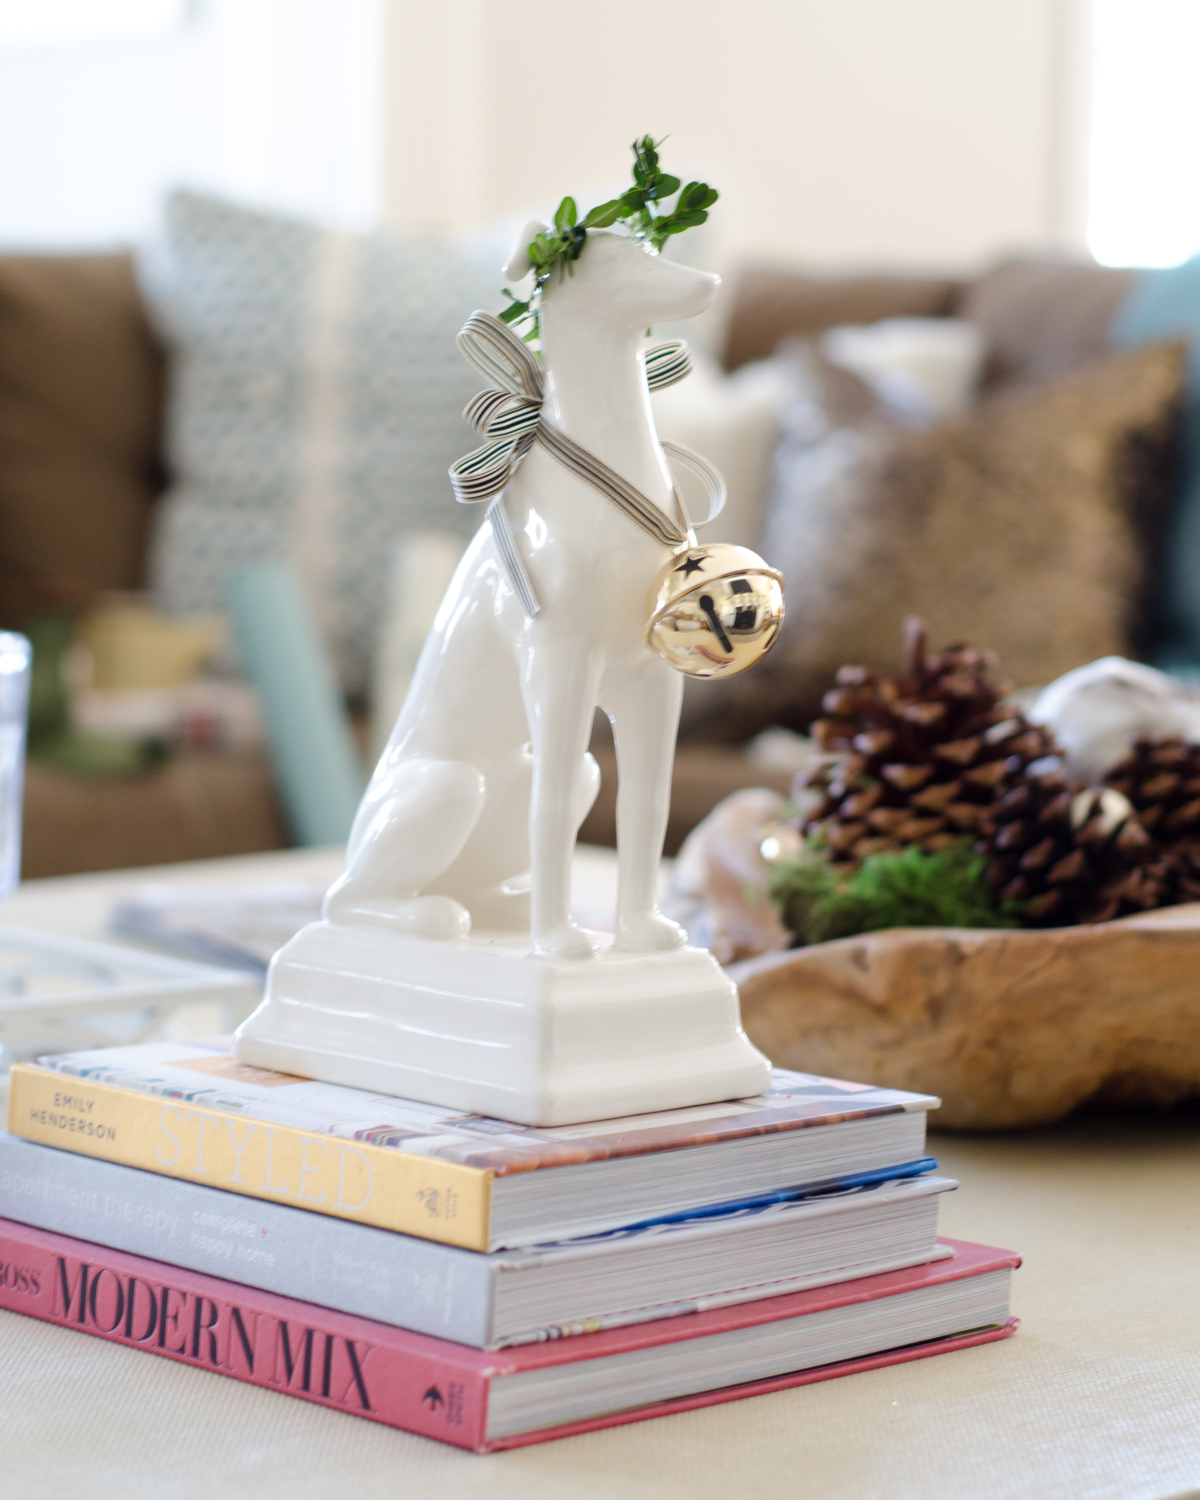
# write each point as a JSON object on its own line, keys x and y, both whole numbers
{"x": 1096, "y": 712}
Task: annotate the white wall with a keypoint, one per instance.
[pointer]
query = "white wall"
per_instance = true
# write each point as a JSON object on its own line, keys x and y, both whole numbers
{"x": 1145, "y": 210}
{"x": 932, "y": 132}
{"x": 928, "y": 132}
{"x": 278, "y": 101}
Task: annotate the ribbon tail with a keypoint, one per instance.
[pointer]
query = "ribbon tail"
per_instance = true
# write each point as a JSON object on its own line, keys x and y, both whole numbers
{"x": 708, "y": 474}
{"x": 510, "y": 556}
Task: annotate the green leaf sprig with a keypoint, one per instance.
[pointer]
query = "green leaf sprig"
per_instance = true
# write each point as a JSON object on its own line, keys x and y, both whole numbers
{"x": 641, "y": 209}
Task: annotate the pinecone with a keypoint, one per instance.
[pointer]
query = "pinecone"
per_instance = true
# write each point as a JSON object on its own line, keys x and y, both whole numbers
{"x": 916, "y": 758}
{"x": 1161, "y": 778}
{"x": 1166, "y": 878}
{"x": 1070, "y": 854}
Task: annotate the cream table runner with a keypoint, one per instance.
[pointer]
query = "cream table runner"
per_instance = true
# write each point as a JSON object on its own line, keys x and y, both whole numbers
{"x": 1098, "y": 1396}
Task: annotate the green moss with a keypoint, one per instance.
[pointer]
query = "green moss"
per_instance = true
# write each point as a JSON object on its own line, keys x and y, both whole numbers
{"x": 818, "y": 901}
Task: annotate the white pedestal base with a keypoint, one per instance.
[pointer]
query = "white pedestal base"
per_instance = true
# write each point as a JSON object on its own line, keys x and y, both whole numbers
{"x": 483, "y": 1027}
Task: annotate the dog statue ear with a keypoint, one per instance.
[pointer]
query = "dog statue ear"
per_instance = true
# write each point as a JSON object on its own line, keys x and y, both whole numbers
{"x": 519, "y": 264}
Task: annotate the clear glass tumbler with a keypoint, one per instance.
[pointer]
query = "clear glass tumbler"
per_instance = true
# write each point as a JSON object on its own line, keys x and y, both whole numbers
{"x": 15, "y": 658}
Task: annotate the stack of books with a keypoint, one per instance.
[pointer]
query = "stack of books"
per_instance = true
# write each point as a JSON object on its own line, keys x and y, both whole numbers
{"x": 484, "y": 1283}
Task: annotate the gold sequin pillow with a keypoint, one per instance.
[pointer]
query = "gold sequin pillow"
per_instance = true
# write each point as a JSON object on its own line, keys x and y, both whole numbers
{"x": 1027, "y": 526}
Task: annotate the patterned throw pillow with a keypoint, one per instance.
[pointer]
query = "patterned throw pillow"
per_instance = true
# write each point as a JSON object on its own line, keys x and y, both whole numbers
{"x": 315, "y": 405}
{"x": 1027, "y": 526}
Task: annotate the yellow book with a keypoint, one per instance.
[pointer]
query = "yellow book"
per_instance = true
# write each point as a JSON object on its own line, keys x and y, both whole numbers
{"x": 437, "y": 1200}
{"x": 191, "y": 1110}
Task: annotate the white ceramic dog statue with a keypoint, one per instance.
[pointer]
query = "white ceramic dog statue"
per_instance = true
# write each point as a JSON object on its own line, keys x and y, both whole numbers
{"x": 448, "y": 967}
{"x": 499, "y": 700}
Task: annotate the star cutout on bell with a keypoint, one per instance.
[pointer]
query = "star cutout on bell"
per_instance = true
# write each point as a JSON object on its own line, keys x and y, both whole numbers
{"x": 691, "y": 565}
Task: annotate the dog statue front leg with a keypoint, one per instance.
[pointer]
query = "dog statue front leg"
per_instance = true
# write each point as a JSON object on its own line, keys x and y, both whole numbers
{"x": 644, "y": 704}
{"x": 559, "y": 683}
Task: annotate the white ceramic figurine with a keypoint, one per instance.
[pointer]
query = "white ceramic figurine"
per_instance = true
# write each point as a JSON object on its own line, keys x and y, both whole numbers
{"x": 448, "y": 966}
{"x": 500, "y": 701}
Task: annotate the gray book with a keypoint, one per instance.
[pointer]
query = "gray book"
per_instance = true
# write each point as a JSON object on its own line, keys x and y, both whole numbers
{"x": 877, "y": 1222}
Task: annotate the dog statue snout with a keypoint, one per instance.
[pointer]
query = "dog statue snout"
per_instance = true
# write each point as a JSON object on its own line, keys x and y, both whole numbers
{"x": 621, "y": 280}
{"x": 617, "y": 277}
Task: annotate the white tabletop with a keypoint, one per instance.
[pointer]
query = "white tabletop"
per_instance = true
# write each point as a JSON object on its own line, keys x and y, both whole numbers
{"x": 1098, "y": 1396}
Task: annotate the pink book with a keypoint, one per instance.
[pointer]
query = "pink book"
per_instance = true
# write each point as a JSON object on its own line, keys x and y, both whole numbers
{"x": 489, "y": 1400}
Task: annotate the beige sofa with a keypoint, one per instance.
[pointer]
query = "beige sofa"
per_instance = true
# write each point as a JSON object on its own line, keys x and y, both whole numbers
{"x": 81, "y": 412}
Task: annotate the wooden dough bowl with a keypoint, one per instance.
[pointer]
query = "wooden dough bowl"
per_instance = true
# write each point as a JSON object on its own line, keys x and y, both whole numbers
{"x": 1009, "y": 1028}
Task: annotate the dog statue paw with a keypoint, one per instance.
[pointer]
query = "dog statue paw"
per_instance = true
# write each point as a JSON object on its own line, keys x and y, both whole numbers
{"x": 439, "y": 918}
{"x": 648, "y": 932}
{"x": 568, "y": 941}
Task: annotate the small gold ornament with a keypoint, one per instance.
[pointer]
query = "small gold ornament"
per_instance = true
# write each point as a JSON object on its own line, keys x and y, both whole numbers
{"x": 780, "y": 843}
{"x": 714, "y": 610}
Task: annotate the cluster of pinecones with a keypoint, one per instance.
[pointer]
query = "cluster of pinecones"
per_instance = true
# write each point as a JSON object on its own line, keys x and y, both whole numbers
{"x": 934, "y": 755}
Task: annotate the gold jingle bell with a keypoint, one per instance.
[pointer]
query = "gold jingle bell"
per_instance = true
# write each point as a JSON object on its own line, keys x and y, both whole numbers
{"x": 714, "y": 610}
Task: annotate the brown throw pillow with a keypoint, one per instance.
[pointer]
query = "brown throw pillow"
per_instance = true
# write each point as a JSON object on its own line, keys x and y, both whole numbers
{"x": 771, "y": 303}
{"x": 80, "y": 411}
{"x": 1044, "y": 318}
{"x": 1022, "y": 526}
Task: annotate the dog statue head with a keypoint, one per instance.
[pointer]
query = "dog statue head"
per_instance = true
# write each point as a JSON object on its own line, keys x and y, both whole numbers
{"x": 616, "y": 279}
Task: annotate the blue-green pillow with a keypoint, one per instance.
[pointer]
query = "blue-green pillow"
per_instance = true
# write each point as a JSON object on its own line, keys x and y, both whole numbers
{"x": 1160, "y": 305}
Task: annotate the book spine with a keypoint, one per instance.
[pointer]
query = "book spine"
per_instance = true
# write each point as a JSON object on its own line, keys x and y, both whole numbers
{"x": 354, "y": 1268}
{"x": 401, "y": 1380}
{"x": 418, "y": 1195}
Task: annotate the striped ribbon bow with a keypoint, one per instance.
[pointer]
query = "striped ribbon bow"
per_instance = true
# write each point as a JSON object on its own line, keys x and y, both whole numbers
{"x": 509, "y": 414}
